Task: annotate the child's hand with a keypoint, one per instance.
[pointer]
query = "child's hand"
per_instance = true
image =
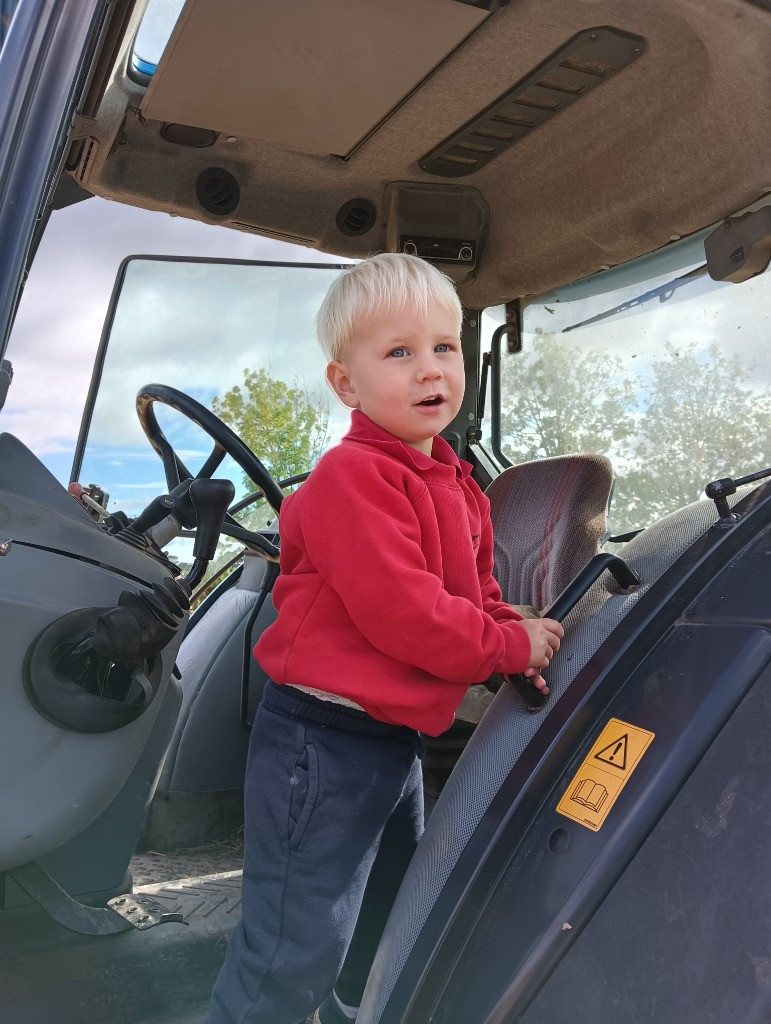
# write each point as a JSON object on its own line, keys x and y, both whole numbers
{"x": 538, "y": 681}
{"x": 545, "y": 636}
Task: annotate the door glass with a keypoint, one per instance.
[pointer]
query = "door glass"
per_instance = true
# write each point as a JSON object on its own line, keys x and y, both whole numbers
{"x": 670, "y": 378}
{"x": 240, "y": 339}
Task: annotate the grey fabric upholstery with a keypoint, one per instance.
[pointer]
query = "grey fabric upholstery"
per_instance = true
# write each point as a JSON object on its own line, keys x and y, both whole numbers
{"x": 208, "y": 749}
{"x": 502, "y": 736}
{"x": 549, "y": 518}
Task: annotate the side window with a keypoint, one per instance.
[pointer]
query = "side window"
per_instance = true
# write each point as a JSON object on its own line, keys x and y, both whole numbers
{"x": 667, "y": 378}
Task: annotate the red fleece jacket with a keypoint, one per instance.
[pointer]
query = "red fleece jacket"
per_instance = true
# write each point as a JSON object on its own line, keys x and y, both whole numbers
{"x": 386, "y": 594}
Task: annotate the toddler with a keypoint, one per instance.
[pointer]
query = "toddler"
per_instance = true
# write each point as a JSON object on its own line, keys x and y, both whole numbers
{"x": 387, "y": 612}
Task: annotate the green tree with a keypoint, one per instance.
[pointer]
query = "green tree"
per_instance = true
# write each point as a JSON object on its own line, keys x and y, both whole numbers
{"x": 287, "y": 427}
{"x": 695, "y": 418}
{"x": 557, "y": 401}
{"x": 703, "y": 420}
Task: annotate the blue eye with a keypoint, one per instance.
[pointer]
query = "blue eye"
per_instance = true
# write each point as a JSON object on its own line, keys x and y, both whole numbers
{"x": 397, "y": 353}
{"x": 442, "y": 348}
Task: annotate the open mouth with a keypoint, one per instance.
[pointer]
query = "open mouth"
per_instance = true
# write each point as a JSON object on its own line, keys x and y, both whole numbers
{"x": 434, "y": 400}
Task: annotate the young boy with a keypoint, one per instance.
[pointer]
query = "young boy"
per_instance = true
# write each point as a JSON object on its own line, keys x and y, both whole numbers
{"x": 387, "y": 612}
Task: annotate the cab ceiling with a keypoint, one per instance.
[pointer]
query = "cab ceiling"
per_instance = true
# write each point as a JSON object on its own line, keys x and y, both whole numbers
{"x": 316, "y": 77}
{"x": 311, "y": 105}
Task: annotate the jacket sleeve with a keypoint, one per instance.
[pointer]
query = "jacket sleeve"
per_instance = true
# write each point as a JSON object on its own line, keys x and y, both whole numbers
{"x": 363, "y": 537}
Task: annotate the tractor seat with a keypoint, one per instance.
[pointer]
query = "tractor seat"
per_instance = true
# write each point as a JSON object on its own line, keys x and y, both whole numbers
{"x": 549, "y": 518}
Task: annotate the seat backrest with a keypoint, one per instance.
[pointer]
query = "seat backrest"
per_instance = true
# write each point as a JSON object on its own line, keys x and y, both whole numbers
{"x": 549, "y": 518}
{"x": 208, "y": 750}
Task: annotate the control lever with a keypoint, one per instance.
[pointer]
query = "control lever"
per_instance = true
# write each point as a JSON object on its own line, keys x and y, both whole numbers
{"x": 626, "y": 578}
{"x": 561, "y": 607}
{"x": 180, "y": 513}
{"x": 92, "y": 498}
{"x": 211, "y": 499}
{"x": 176, "y": 503}
{"x": 720, "y": 490}
{"x": 156, "y": 525}
{"x": 157, "y": 510}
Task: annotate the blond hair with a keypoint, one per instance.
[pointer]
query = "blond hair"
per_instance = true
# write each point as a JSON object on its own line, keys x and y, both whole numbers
{"x": 381, "y": 284}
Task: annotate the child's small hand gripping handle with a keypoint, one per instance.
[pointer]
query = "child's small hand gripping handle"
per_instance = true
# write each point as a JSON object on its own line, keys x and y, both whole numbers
{"x": 534, "y": 698}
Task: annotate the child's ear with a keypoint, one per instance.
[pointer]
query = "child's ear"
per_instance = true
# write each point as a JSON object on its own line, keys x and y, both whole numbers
{"x": 339, "y": 379}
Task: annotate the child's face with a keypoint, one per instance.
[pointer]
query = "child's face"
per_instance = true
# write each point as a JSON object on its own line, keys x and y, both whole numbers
{"x": 404, "y": 371}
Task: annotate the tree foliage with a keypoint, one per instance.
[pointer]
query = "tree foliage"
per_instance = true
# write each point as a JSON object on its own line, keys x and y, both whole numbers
{"x": 287, "y": 427}
{"x": 703, "y": 421}
{"x": 556, "y": 401}
{"x": 696, "y": 417}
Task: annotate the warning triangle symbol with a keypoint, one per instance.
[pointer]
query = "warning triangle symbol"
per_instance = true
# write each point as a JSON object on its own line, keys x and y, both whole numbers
{"x": 614, "y": 753}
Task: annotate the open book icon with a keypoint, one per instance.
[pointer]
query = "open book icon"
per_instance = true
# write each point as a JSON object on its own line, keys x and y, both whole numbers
{"x": 589, "y": 794}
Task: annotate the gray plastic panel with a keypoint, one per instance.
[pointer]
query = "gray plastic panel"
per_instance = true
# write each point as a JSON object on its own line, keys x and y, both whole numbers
{"x": 97, "y": 860}
{"x": 684, "y": 935}
{"x": 208, "y": 750}
{"x": 36, "y": 509}
{"x": 502, "y": 736}
{"x": 55, "y": 782}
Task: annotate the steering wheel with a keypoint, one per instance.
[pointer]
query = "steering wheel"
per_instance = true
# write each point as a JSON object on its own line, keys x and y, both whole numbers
{"x": 226, "y": 442}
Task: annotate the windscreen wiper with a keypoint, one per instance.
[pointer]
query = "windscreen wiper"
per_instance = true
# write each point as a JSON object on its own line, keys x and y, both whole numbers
{"x": 662, "y": 293}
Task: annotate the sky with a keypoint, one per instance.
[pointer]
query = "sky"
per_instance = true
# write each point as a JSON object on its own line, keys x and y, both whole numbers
{"x": 62, "y": 311}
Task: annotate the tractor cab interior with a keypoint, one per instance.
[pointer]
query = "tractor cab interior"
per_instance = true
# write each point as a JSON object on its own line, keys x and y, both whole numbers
{"x": 594, "y": 178}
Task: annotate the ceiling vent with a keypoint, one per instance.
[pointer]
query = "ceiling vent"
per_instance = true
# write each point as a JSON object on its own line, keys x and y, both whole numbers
{"x": 217, "y": 191}
{"x": 583, "y": 63}
{"x": 356, "y": 217}
{"x": 188, "y": 135}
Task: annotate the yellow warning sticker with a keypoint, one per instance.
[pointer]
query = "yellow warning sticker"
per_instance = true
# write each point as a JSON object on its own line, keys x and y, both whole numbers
{"x": 605, "y": 771}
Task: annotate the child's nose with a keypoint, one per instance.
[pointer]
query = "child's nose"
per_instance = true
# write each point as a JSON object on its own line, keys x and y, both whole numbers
{"x": 429, "y": 368}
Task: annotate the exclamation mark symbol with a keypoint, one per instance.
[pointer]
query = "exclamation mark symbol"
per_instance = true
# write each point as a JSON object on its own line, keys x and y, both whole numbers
{"x": 615, "y": 753}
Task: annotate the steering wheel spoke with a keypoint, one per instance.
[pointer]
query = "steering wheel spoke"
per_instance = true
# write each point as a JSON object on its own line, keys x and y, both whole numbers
{"x": 251, "y": 539}
{"x": 226, "y": 442}
{"x": 214, "y": 461}
{"x": 172, "y": 466}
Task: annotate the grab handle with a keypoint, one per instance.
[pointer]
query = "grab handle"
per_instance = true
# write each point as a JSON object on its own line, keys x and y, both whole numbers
{"x": 626, "y": 578}
{"x": 566, "y": 602}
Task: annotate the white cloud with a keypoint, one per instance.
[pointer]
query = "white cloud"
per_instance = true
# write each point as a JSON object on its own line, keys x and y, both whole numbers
{"x": 60, "y": 318}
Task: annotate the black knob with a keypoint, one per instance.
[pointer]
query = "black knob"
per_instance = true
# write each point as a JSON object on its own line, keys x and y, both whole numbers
{"x": 210, "y": 499}
{"x": 157, "y": 510}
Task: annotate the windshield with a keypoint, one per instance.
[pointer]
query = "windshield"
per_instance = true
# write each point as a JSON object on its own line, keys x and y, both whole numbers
{"x": 670, "y": 381}
{"x": 237, "y": 337}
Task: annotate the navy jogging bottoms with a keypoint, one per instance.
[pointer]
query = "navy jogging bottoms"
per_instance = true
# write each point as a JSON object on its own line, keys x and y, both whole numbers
{"x": 333, "y": 810}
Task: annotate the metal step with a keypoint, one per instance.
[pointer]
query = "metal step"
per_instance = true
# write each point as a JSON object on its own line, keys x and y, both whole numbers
{"x": 160, "y": 976}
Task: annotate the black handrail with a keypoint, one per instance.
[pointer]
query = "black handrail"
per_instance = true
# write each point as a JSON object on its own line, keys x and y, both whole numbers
{"x": 495, "y": 387}
{"x": 270, "y": 577}
{"x": 564, "y": 604}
